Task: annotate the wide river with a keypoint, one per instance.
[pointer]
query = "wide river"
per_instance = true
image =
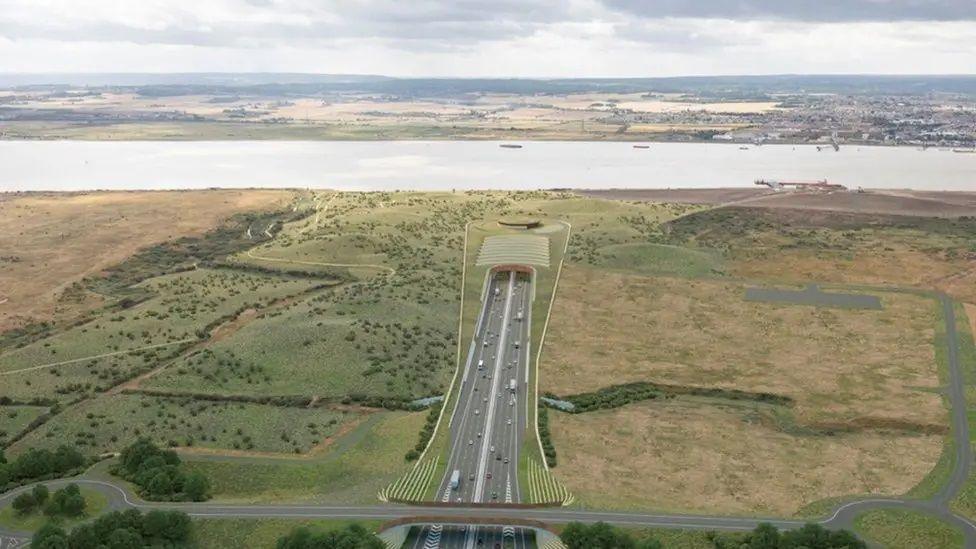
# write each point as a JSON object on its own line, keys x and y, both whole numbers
{"x": 443, "y": 165}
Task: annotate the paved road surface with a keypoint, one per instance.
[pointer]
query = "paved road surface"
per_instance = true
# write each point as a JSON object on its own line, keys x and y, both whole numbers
{"x": 489, "y": 419}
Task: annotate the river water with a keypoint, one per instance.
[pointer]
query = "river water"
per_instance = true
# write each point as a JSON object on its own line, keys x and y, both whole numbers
{"x": 444, "y": 165}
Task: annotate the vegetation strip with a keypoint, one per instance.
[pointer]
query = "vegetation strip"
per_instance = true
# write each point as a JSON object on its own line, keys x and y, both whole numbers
{"x": 620, "y": 395}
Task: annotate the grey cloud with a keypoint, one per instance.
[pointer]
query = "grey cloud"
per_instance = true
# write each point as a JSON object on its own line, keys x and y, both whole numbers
{"x": 814, "y": 11}
{"x": 458, "y": 23}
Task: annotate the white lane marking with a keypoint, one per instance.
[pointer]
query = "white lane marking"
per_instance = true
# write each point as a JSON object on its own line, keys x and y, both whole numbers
{"x": 490, "y": 413}
{"x": 458, "y": 446}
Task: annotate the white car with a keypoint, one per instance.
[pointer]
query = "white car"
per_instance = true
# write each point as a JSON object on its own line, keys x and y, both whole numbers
{"x": 477, "y": 412}
{"x": 509, "y": 421}
{"x": 470, "y": 442}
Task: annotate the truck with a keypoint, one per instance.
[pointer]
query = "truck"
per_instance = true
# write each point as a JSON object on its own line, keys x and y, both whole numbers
{"x": 456, "y": 479}
{"x": 512, "y": 385}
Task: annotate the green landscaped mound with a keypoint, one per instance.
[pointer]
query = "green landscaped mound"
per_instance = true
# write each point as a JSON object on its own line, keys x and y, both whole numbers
{"x": 660, "y": 260}
{"x": 898, "y": 529}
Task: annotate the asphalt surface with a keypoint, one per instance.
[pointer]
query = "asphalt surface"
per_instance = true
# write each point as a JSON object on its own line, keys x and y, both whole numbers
{"x": 489, "y": 419}
{"x": 842, "y": 517}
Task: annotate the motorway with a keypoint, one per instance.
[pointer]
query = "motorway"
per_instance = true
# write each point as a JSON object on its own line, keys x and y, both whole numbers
{"x": 489, "y": 419}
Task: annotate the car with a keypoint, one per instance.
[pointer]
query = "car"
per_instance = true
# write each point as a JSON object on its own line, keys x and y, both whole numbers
{"x": 494, "y": 495}
{"x": 470, "y": 442}
{"x": 509, "y": 419}
{"x": 477, "y": 412}
{"x": 486, "y": 399}
{"x": 471, "y": 477}
{"x": 488, "y": 475}
{"x": 459, "y": 500}
{"x": 479, "y": 434}
{"x": 516, "y": 344}
{"x": 498, "y": 457}
{"x": 506, "y": 460}
{"x": 493, "y": 449}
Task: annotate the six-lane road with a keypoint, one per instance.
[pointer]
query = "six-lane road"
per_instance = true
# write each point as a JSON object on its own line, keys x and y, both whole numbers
{"x": 489, "y": 419}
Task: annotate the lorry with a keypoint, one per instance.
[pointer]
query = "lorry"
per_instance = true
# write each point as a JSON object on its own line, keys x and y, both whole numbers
{"x": 455, "y": 479}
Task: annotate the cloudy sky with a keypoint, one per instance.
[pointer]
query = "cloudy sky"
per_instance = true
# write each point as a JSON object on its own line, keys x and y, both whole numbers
{"x": 544, "y": 38}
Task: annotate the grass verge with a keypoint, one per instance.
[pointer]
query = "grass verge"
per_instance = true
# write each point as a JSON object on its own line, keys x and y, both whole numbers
{"x": 898, "y": 529}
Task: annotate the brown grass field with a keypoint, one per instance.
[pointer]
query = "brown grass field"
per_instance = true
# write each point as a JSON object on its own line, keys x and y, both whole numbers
{"x": 840, "y": 366}
{"x": 682, "y": 455}
{"x": 48, "y": 241}
{"x": 867, "y": 417}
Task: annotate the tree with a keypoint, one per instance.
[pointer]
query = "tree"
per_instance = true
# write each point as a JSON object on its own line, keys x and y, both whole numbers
{"x": 161, "y": 484}
{"x": 73, "y": 505}
{"x": 196, "y": 486}
{"x": 765, "y": 536}
{"x": 84, "y": 536}
{"x": 50, "y": 536}
{"x": 167, "y": 525}
{"x": 67, "y": 501}
{"x": 125, "y": 538}
{"x": 40, "y": 493}
{"x": 24, "y": 503}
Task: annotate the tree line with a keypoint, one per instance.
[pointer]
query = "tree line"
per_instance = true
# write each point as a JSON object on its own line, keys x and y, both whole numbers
{"x": 40, "y": 464}
{"x": 124, "y": 530}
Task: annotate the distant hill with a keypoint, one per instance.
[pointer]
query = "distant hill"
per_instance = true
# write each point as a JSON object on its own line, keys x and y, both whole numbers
{"x": 747, "y": 87}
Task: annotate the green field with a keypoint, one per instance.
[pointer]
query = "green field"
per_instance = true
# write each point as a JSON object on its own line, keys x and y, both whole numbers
{"x": 259, "y": 533}
{"x": 897, "y": 529}
{"x": 354, "y": 469}
{"x": 95, "y": 503}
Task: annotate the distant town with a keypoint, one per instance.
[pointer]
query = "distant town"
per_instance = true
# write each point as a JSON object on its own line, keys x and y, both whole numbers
{"x": 826, "y": 111}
